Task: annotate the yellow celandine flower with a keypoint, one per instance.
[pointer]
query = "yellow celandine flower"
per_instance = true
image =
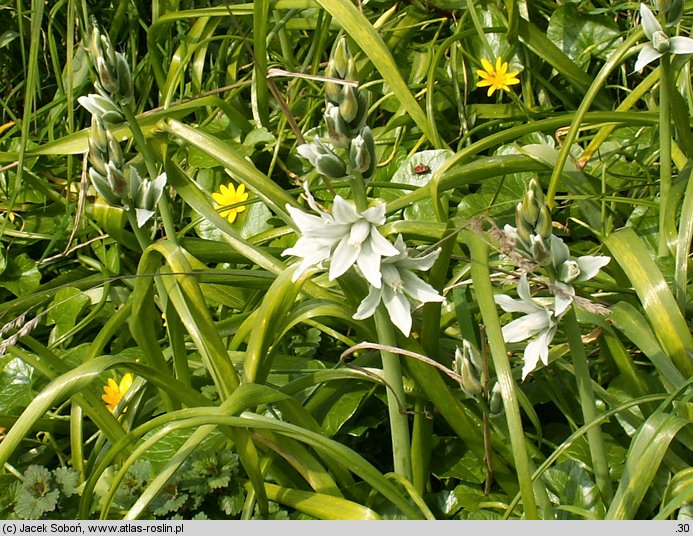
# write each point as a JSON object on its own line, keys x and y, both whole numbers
{"x": 496, "y": 77}
{"x": 114, "y": 392}
{"x": 229, "y": 195}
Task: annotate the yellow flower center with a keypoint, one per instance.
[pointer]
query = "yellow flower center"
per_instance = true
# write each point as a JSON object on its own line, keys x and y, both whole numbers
{"x": 114, "y": 392}
{"x": 229, "y": 196}
{"x": 496, "y": 78}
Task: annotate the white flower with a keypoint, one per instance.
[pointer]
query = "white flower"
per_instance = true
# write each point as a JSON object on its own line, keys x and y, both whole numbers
{"x": 660, "y": 43}
{"x": 345, "y": 238}
{"x": 399, "y": 286}
{"x": 540, "y": 320}
{"x": 569, "y": 269}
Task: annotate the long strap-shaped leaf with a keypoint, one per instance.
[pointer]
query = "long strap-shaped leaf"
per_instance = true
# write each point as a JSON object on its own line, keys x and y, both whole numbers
{"x": 660, "y": 306}
{"x": 369, "y": 40}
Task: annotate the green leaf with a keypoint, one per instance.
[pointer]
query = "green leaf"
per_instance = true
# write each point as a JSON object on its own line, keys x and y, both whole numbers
{"x": 65, "y": 309}
{"x": 21, "y": 276}
{"x": 67, "y": 479}
{"x": 582, "y": 35}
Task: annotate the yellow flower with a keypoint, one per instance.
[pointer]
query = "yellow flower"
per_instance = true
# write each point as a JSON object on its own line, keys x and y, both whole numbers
{"x": 496, "y": 77}
{"x": 115, "y": 392}
{"x": 230, "y": 196}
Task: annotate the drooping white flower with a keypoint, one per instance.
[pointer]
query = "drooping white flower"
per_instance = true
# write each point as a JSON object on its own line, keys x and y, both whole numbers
{"x": 399, "y": 287}
{"x": 660, "y": 43}
{"x": 344, "y": 238}
{"x": 540, "y": 321}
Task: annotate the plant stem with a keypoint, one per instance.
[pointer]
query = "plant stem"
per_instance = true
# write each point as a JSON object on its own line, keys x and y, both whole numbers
{"x": 595, "y": 439}
{"x": 489, "y": 315}
{"x": 392, "y": 374}
{"x": 664, "y": 155}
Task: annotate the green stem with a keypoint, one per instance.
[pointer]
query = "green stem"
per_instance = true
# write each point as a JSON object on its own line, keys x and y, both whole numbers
{"x": 664, "y": 154}
{"x": 595, "y": 439}
{"x": 392, "y": 374}
{"x": 359, "y": 191}
{"x": 481, "y": 278}
{"x": 152, "y": 169}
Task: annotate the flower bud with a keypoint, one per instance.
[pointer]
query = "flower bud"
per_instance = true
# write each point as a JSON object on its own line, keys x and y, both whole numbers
{"x": 530, "y": 209}
{"x": 107, "y": 76}
{"x": 337, "y": 129}
{"x": 539, "y": 251}
{"x": 543, "y": 225}
{"x": 116, "y": 180}
{"x": 348, "y": 103}
{"x": 98, "y": 136}
{"x": 323, "y": 159}
{"x": 341, "y": 56}
{"x": 362, "y": 155}
{"x": 495, "y": 404}
{"x": 125, "y": 84}
{"x": 103, "y": 187}
{"x": 115, "y": 153}
{"x": 463, "y": 367}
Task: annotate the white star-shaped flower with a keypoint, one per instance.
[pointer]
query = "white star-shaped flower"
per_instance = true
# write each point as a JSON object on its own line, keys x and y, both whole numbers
{"x": 540, "y": 321}
{"x": 400, "y": 286}
{"x": 344, "y": 238}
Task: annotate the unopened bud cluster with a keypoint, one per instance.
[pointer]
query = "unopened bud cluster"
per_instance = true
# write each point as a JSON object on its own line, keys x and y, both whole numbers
{"x": 469, "y": 367}
{"x": 351, "y": 147}
{"x": 120, "y": 185}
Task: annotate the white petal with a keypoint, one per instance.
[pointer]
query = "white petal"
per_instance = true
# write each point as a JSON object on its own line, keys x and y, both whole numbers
{"x": 531, "y": 358}
{"x": 418, "y": 289}
{"x": 681, "y": 45}
{"x": 343, "y": 212}
{"x": 564, "y": 297}
{"x": 369, "y": 263}
{"x": 650, "y": 24}
{"x": 590, "y": 265}
{"x": 510, "y": 305}
{"x": 647, "y": 55}
{"x": 368, "y": 305}
{"x": 375, "y": 214}
{"x": 399, "y": 309}
{"x": 559, "y": 251}
{"x": 422, "y": 263}
{"x": 343, "y": 258}
{"x": 143, "y": 216}
{"x": 523, "y": 289}
{"x": 381, "y": 245}
{"x": 524, "y": 327}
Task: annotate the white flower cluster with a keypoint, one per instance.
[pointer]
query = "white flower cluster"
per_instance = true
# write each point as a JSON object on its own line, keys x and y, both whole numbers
{"x": 344, "y": 238}
{"x": 542, "y": 314}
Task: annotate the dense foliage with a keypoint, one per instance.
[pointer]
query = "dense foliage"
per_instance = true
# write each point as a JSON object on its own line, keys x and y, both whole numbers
{"x": 301, "y": 259}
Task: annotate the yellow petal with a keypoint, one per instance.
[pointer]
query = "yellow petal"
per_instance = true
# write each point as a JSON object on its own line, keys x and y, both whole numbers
{"x": 487, "y": 65}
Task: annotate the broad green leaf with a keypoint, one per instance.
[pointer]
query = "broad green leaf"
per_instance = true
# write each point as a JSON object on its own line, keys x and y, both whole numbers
{"x": 582, "y": 35}
{"x": 21, "y": 276}
{"x": 64, "y": 311}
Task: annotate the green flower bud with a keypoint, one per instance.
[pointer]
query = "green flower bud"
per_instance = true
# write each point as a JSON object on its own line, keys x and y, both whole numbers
{"x": 539, "y": 251}
{"x": 348, "y": 103}
{"x": 115, "y": 153}
{"x": 98, "y": 136}
{"x": 341, "y": 56}
{"x": 362, "y": 155}
{"x": 530, "y": 209}
{"x": 103, "y": 188}
{"x": 469, "y": 382}
{"x": 495, "y": 404}
{"x": 116, "y": 180}
{"x": 125, "y": 84}
{"x": 337, "y": 129}
{"x": 538, "y": 193}
{"x": 323, "y": 159}
{"x": 543, "y": 226}
{"x": 107, "y": 77}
